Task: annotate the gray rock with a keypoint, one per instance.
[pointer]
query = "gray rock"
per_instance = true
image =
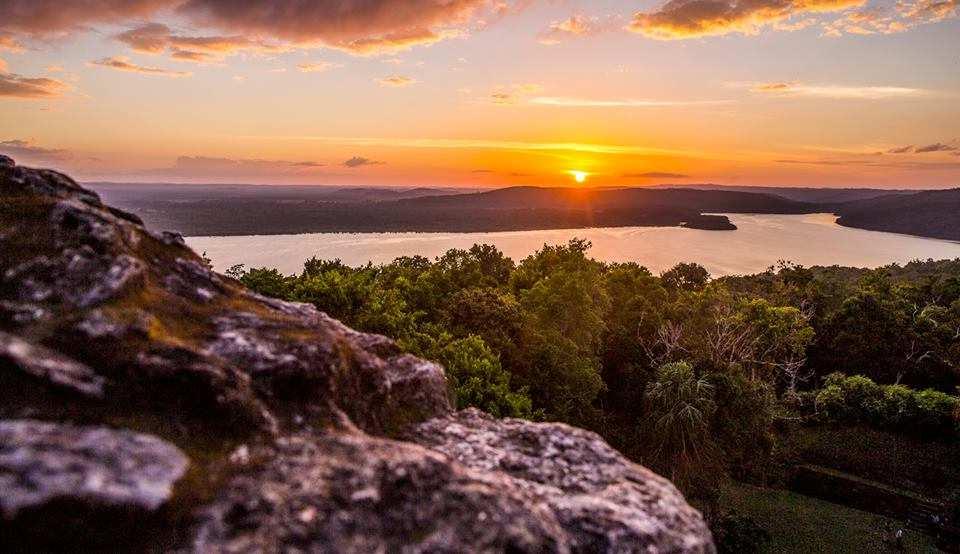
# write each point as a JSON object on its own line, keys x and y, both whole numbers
{"x": 348, "y": 492}
{"x": 48, "y": 366}
{"x": 604, "y": 502}
{"x": 92, "y": 466}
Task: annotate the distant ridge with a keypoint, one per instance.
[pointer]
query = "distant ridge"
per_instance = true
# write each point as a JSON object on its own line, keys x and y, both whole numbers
{"x": 279, "y": 210}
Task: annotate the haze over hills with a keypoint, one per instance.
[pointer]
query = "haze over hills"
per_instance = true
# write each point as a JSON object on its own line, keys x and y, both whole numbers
{"x": 227, "y": 210}
{"x": 803, "y": 194}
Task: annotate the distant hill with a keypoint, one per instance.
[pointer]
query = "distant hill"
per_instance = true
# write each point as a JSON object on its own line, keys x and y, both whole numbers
{"x": 245, "y": 210}
{"x": 803, "y": 194}
{"x": 931, "y": 213}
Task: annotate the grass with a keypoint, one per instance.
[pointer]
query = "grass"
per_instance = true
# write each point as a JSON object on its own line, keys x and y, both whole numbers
{"x": 802, "y": 524}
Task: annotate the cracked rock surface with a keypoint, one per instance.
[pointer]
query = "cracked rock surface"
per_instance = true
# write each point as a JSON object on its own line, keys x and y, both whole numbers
{"x": 152, "y": 404}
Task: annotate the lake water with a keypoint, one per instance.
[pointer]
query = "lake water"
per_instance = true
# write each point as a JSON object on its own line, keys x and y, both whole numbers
{"x": 759, "y": 241}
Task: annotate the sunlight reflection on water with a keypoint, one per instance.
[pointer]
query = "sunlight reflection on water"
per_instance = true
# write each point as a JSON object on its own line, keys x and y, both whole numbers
{"x": 759, "y": 241}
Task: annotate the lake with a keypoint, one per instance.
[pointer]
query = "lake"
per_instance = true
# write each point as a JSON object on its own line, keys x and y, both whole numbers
{"x": 759, "y": 242}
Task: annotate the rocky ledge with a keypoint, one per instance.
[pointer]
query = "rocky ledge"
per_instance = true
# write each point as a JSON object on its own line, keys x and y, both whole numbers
{"x": 152, "y": 404}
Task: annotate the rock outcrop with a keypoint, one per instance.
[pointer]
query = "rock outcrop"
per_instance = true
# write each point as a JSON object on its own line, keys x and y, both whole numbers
{"x": 150, "y": 403}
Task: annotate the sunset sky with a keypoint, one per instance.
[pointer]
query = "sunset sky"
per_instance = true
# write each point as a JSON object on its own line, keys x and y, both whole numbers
{"x": 485, "y": 93}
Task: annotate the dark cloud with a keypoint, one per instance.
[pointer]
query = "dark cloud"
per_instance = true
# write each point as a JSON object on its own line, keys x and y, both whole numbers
{"x": 357, "y": 161}
{"x": 29, "y": 88}
{"x": 935, "y": 147}
{"x": 122, "y": 63}
{"x": 46, "y": 17}
{"x": 901, "y": 150}
{"x": 656, "y": 175}
{"x": 358, "y": 26}
{"x": 938, "y": 147}
{"x": 27, "y": 152}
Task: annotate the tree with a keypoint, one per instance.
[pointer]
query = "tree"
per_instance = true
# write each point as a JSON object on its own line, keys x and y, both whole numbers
{"x": 680, "y": 406}
{"x": 685, "y": 276}
{"x": 475, "y": 375}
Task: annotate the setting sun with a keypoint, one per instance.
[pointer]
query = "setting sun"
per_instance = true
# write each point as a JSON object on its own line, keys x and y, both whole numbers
{"x": 579, "y": 176}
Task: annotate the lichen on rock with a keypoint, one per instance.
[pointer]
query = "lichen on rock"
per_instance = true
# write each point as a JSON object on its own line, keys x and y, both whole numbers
{"x": 123, "y": 356}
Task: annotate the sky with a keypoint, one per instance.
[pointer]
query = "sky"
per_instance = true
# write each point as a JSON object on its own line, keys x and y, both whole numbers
{"x": 483, "y": 93}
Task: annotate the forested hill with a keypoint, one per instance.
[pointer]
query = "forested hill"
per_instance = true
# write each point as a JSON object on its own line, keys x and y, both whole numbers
{"x": 209, "y": 211}
{"x": 931, "y": 213}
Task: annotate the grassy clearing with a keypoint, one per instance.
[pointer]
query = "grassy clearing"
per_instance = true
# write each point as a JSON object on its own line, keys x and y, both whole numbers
{"x": 803, "y": 524}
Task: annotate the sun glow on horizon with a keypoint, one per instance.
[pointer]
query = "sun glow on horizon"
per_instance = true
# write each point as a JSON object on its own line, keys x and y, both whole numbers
{"x": 579, "y": 176}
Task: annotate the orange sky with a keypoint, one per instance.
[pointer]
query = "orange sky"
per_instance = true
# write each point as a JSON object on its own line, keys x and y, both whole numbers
{"x": 485, "y": 93}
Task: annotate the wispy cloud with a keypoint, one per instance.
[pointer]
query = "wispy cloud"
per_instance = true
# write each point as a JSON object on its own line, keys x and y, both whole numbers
{"x": 317, "y": 67}
{"x": 656, "y": 175}
{"x": 156, "y": 38}
{"x": 358, "y": 161}
{"x": 513, "y": 94}
{"x": 397, "y": 81}
{"x": 29, "y": 88}
{"x": 617, "y": 103}
{"x": 576, "y": 26}
{"x": 787, "y": 89}
{"x": 123, "y": 63}
{"x": 26, "y": 151}
{"x": 937, "y": 147}
{"x": 482, "y": 144}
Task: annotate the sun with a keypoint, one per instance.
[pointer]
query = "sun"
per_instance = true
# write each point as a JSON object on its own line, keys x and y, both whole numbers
{"x": 579, "y": 176}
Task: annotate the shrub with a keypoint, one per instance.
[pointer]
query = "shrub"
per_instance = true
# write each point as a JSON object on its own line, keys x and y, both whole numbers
{"x": 832, "y": 403}
{"x": 935, "y": 409}
{"x": 858, "y": 398}
{"x": 898, "y": 406}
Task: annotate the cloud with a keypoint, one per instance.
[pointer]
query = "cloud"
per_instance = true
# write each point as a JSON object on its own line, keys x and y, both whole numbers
{"x": 29, "y": 88}
{"x": 886, "y": 20}
{"x": 833, "y": 91}
{"x": 513, "y": 94}
{"x": 358, "y": 26}
{"x": 573, "y": 26}
{"x": 123, "y": 63}
{"x": 48, "y": 17}
{"x": 483, "y": 144}
{"x": 317, "y": 67}
{"x": 3, "y": 65}
{"x": 206, "y": 167}
{"x": 25, "y": 151}
{"x": 656, "y": 175}
{"x": 396, "y": 81}
{"x": 357, "y": 161}
{"x": 615, "y": 103}
{"x": 364, "y": 27}
{"x": 156, "y": 38}
{"x": 10, "y": 44}
{"x": 938, "y": 147}
{"x": 683, "y": 19}
{"x": 901, "y": 150}
{"x": 875, "y": 163}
